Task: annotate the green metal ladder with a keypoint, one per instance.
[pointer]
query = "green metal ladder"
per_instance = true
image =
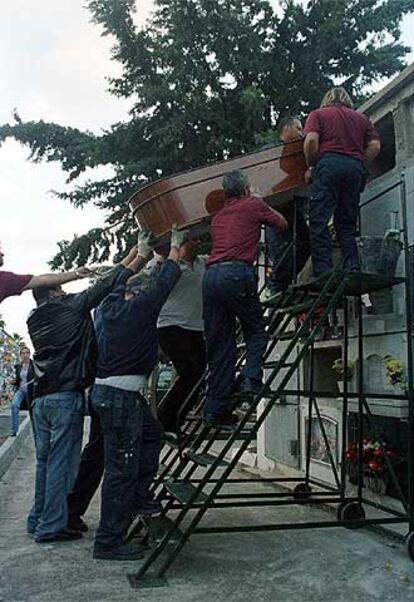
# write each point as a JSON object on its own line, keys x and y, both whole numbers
{"x": 190, "y": 497}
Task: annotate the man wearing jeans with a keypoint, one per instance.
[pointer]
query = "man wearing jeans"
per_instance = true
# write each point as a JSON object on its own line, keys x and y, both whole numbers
{"x": 339, "y": 141}
{"x": 126, "y": 329}
{"x": 62, "y": 334}
{"x": 230, "y": 292}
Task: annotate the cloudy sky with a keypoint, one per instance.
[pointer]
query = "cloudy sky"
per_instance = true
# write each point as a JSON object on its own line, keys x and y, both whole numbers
{"x": 53, "y": 65}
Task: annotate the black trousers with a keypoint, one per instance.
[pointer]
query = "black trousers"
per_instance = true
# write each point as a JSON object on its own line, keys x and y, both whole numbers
{"x": 280, "y": 245}
{"x": 187, "y": 351}
{"x": 90, "y": 469}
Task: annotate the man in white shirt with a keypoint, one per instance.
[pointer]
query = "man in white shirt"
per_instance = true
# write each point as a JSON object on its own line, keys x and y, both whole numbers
{"x": 181, "y": 337}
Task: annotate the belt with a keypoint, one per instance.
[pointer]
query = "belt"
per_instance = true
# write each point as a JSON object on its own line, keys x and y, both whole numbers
{"x": 234, "y": 262}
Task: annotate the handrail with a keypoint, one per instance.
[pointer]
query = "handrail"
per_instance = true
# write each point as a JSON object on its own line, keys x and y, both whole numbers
{"x": 380, "y": 194}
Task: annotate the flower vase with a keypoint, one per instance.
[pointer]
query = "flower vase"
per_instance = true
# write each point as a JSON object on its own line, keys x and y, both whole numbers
{"x": 341, "y": 388}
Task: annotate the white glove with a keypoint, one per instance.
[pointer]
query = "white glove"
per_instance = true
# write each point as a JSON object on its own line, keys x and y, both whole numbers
{"x": 144, "y": 247}
{"x": 178, "y": 237}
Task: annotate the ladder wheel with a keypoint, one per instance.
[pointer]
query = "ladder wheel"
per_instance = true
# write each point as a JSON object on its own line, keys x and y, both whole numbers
{"x": 351, "y": 511}
{"x": 409, "y": 542}
{"x": 302, "y": 491}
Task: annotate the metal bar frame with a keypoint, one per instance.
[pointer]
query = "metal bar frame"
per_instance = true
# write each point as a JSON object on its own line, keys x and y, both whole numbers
{"x": 331, "y": 494}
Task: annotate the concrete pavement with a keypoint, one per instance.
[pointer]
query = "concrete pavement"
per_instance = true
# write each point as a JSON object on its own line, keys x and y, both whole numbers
{"x": 330, "y": 565}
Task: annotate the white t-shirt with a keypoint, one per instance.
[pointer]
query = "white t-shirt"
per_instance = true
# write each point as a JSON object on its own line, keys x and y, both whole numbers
{"x": 184, "y": 306}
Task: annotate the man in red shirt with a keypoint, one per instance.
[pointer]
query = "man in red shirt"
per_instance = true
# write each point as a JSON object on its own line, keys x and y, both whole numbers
{"x": 15, "y": 284}
{"x": 230, "y": 292}
{"x": 338, "y": 142}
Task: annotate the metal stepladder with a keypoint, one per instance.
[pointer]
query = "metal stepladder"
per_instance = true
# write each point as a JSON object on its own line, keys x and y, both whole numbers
{"x": 187, "y": 497}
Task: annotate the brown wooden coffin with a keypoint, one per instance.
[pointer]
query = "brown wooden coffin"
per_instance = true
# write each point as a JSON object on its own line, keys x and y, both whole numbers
{"x": 191, "y": 198}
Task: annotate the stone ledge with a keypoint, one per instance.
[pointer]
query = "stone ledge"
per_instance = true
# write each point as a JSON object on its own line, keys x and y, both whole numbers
{"x": 11, "y": 447}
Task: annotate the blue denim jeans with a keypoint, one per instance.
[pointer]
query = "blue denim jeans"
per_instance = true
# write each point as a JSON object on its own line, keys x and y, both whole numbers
{"x": 132, "y": 445}
{"x": 336, "y": 186}
{"x": 58, "y": 425}
{"x": 230, "y": 292}
{"x": 17, "y": 401}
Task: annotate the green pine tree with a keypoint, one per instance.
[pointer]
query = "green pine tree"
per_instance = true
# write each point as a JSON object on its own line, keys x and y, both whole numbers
{"x": 209, "y": 79}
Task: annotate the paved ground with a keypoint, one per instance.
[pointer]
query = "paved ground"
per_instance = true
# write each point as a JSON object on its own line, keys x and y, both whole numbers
{"x": 331, "y": 565}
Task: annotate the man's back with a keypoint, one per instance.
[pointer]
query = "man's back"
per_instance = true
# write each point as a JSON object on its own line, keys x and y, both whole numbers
{"x": 341, "y": 130}
{"x": 184, "y": 306}
{"x": 65, "y": 348}
{"x": 235, "y": 229}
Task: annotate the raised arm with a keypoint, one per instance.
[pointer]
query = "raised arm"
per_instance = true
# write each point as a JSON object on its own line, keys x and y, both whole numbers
{"x": 117, "y": 277}
{"x": 52, "y": 280}
{"x": 164, "y": 281}
{"x": 139, "y": 256}
{"x": 270, "y": 217}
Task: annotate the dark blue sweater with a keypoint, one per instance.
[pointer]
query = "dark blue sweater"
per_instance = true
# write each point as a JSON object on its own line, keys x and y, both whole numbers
{"x": 126, "y": 331}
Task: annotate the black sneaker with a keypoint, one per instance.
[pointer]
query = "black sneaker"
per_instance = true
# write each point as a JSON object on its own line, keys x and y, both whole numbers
{"x": 75, "y": 523}
{"x": 149, "y": 508}
{"x": 225, "y": 422}
{"x": 249, "y": 391}
{"x": 125, "y": 551}
{"x": 64, "y": 535}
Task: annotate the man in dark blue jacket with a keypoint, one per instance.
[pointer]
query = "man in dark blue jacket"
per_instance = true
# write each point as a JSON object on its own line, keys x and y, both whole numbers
{"x": 126, "y": 330}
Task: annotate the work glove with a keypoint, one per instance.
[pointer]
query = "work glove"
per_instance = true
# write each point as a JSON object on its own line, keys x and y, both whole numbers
{"x": 178, "y": 237}
{"x": 144, "y": 246}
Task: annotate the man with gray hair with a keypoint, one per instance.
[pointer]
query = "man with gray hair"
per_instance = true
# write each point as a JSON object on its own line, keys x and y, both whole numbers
{"x": 230, "y": 292}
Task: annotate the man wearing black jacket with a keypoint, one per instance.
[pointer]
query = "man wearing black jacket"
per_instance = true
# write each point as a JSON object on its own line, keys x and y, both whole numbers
{"x": 65, "y": 358}
{"x": 126, "y": 330}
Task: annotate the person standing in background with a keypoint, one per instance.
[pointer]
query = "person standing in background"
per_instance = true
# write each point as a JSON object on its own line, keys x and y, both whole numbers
{"x": 23, "y": 381}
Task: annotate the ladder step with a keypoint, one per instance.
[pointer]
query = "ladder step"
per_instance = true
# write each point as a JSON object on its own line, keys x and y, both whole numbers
{"x": 162, "y": 468}
{"x": 203, "y": 459}
{"x": 183, "y": 492}
{"x": 192, "y": 417}
{"x": 277, "y": 364}
{"x": 157, "y": 527}
{"x": 222, "y": 436}
{"x": 285, "y": 336}
{"x": 295, "y": 309}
